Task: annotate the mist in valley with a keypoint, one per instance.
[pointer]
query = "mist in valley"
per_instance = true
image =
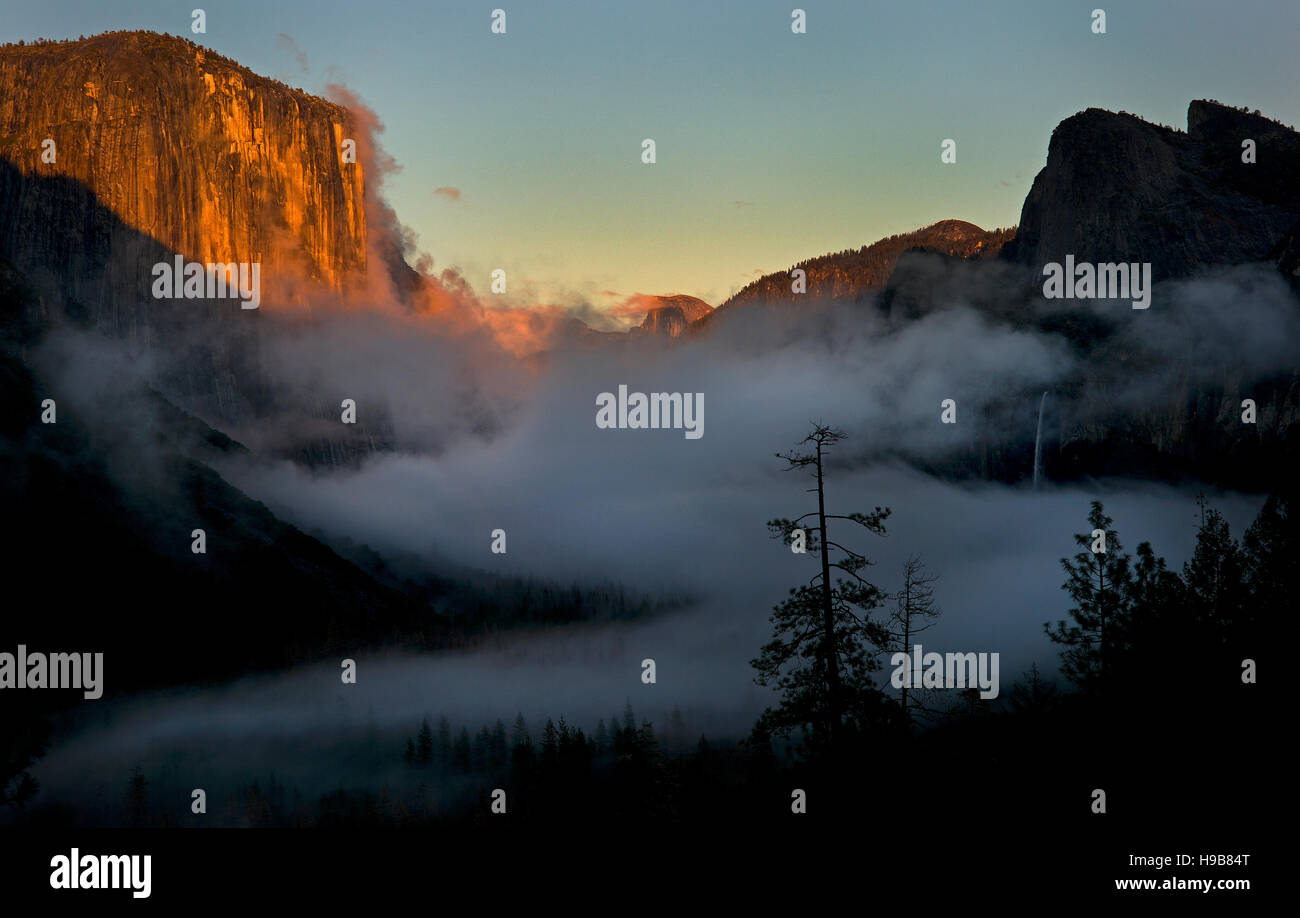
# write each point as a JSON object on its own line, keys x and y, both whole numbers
{"x": 653, "y": 511}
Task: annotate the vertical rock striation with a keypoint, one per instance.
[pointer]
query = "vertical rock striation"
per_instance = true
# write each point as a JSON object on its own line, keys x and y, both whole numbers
{"x": 179, "y": 146}
{"x": 163, "y": 148}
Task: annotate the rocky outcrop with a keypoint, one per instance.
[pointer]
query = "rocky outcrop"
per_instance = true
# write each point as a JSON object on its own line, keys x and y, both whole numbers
{"x": 671, "y": 316}
{"x": 183, "y": 147}
{"x": 1117, "y": 188}
{"x": 128, "y": 149}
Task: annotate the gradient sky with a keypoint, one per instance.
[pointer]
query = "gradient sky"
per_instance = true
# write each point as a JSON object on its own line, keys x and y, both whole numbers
{"x": 772, "y": 147}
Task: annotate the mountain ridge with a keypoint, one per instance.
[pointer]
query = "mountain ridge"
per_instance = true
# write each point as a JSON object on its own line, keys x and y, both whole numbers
{"x": 858, "y": 274}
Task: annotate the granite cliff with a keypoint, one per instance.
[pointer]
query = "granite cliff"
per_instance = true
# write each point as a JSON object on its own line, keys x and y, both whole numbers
{"x": 130, "y": 149}
{"x": 672, "y": 316}
{"x": 183, "y": 147}
{"x": 1117, "y": 188}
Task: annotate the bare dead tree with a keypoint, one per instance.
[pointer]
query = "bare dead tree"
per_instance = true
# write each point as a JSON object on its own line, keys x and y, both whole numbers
{"x": 915, "y": 610}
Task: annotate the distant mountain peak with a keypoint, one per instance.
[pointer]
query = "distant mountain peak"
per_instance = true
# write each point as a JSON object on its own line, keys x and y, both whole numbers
{"x": 854, "y": 274}
{"x": 671, "y": 315}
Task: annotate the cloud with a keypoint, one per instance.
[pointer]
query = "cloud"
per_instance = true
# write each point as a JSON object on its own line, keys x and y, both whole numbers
{"x": 995, "y": 593}
{"x": 446, "y": 191}
{"x": 480, "y": 443}
{"x": 286, "y": 43}
{"x": 635, "y": 306}
{"x": 446, "y": 296}
{"x": 658, "y": 512}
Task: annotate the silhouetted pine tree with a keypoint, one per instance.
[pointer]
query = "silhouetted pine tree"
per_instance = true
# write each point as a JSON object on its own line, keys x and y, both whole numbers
{"x": 1099, "y": 582}
{"x": 498, "y": 750}
{"x": 442, "y": 745}
{"x": 1158, "y": 631}
{"x": 424, "y": 744}
{"x": 1215, "y": 576}
{"x": 482, "y": 747}
{"x": 1270, "y": 548}
{"x": 461, "y": 755}
{"x": 825, "y": 645}
{"x": 550, "y": 752}
{"x": 1033, "y": 695}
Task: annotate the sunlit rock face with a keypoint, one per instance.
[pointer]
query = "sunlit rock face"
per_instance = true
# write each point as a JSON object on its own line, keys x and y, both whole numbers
{"x": 156, "y": 137}
{"x": 671, "y": 316}
{"x": 130, "y": 149}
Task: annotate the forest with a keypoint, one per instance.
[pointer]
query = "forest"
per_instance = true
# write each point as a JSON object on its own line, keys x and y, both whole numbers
{"x": 1152, "y": 658}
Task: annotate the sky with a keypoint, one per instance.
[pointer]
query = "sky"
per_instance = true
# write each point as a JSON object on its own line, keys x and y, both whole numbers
{"x": 771, "y": 147}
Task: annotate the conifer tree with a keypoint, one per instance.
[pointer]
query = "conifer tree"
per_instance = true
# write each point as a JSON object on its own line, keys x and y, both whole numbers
{"x": 550, "y": 751}
{"x": 461, "y": 755}
{"x": 442, "y": 751}
{"x": 1269, "y": 549}
{"x": 1033, "y": 694}
{"x": 825, "y": 644}
{"x": 1157, "y": 632}
{"x": 499, "y": 752}
{"x": 519, "y": 734}
{"x": 1215, "y": 576}
{"x": 424, "y": 744}
{"x": 1099, "y": 581}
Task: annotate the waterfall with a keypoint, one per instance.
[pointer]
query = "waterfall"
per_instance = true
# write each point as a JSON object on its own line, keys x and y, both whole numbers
{"x": 1038, "y": 440}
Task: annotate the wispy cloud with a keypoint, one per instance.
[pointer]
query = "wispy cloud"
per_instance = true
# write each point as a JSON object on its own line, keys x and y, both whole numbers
{"x": 635, "y": 306}
{"x": 446, "y": 191}
{"x": 286, "y": 43}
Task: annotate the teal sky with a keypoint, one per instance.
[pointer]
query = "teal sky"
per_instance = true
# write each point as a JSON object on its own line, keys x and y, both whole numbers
{"x": 772, "y": 146}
